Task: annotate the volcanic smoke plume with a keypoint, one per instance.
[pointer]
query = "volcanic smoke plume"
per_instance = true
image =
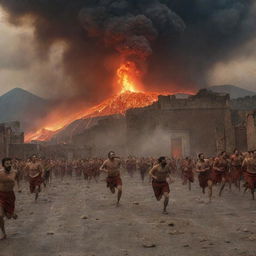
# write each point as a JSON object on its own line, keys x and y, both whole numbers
{"x": 174, "y": 43}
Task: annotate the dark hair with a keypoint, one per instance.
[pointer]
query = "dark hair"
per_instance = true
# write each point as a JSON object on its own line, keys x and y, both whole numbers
{"x": 222, "y": 152}
{"x": 6, "y": 159}
{"x": 199, "y": 155}
{"x": 161, "y": 158}
{"x": 110, "y": 153}
{"x": 235, "y": 150}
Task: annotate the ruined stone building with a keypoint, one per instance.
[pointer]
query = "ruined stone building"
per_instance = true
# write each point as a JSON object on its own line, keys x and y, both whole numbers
{"x": 181, "y": 127}
{"x": 10, "y": 136}
{"x": 206, "y": 122}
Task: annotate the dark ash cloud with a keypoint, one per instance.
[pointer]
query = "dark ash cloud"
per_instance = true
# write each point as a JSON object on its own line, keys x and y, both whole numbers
{"x": 176, "y": 42}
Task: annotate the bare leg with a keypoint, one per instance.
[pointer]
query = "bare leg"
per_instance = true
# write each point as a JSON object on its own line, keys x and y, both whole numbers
{"x": 210, "y": 190}
{"x": 252, "y": 191}
{"x": 142, "y": 175}
{"x": 50, "y": 178}
{"x": 3, "y": 235}
{"x": 112, "y": 189}
{"x": 37, "y": 193}
{"x": 166, "y": 201}
{"x": 119, "y": 195}
{"x": 159, "y": 198}
{"x": 223, "y": 184}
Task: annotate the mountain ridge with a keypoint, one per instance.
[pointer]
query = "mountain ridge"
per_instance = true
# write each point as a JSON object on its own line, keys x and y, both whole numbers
{"x": 21, "y": 105}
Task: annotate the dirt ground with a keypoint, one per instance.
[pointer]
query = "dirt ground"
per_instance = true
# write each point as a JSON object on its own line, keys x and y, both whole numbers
{"x": 72, "y": 218}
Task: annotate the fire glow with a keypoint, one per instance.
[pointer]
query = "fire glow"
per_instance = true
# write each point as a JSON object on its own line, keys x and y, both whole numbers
{"x": 125, "y": 77}
{"x": 129, "y": 96}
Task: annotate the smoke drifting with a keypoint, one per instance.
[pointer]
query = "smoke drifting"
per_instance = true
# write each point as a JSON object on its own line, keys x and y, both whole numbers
{"x": 173, "y": 42}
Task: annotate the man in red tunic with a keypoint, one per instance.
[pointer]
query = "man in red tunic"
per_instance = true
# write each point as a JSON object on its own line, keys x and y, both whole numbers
{"x": 203, "y": 168}
{"x": 187, "y": 167}
{"x": 250, "y": 173}
{"x": 160, "y": 181}
{"x": 220, "y": 170}
{"x": 111, "y": 166}
{"x": 131, "y": 166}
{"x": 236, "y": 172}
{"x": 8, "y": 178}
{"x": 144, "y": 166}
{"x": 35, "y": 175}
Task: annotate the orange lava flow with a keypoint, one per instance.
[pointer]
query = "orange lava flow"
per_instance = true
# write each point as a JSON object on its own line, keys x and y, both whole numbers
{"x": 129, "y": 96}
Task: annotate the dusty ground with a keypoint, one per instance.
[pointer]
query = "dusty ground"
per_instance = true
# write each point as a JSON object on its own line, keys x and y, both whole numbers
{"x": 72, "y": 218}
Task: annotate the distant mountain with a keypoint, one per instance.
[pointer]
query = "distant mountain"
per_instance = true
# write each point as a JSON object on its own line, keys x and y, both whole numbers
{"x": 23, "y": 106}
{"x": 234, "y": 91}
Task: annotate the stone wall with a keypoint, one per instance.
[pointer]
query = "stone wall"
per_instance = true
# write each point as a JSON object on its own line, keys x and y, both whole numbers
{"x": 206, "y": 123}
{"x": 23, "y": 151}
{"x": 10, "y": 133}
{"x": 202, "y": 100}
{"x": 108, "y": 134}
{"x": 206, "y": 118}
{"x": 251, "y": 131}
{"x": 246, "y": 103}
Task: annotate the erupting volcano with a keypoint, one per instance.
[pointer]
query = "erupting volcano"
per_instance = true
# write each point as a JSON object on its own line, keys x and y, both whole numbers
{"x": 129, "y": 95}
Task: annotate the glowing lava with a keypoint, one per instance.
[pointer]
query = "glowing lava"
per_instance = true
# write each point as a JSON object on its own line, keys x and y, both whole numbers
{"x": 129, "y": 96}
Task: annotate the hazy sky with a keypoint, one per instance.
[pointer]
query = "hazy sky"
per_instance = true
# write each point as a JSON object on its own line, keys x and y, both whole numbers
{"x": 20, "y": 66}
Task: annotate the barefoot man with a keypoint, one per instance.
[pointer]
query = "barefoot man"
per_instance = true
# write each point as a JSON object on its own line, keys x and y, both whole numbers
{"x": 220, "y": 170}
{"x": 250, "y": 173}
{"x": 203, "y": 169}
{"x": 160, "y": 181}
{"x": 111, "y": 166}
{"x": 35, "y": 175}
{"x": 187, "y": 167}
{"x": 236, "y": 171}
{"x": 8, "y": 178}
